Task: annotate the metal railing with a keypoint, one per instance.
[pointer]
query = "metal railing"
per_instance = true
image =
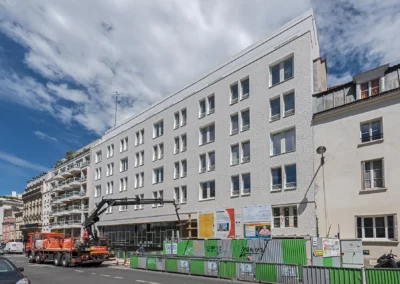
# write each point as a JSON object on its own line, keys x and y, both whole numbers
{"x": 183, "y": 149}
{"x": 211, "y": 110}
{"x": 289, "y": 112}
{"x": 276, "y": 186}
{"x": 202, "y": 114}
{"x": 85, "y": 164}
{"x": 291, "y": 184}
{"x": 245, "y": 127}
{"x": 234, "y": 131}
{"x": 202, "y": 170}
{"x": 234, "y": 101}
{"x": 184, "y": 174}
{"x": 275, "y": 117}
{"x": 246, "y": 159}
{"x": 245, "y": 96}
{"x": 371, "y": 138}
{"x": 211, "y": 168}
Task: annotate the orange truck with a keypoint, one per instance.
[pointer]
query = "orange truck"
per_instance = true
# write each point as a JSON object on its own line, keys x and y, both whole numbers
{"x": 64, "y": 251}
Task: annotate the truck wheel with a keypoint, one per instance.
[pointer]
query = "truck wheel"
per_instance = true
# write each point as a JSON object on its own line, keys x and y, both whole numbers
{"x": 57, "y": 259}
{"x": 65, "y": 260}
{"x": 38, "y": 258}
{"x": 31, "y": 257}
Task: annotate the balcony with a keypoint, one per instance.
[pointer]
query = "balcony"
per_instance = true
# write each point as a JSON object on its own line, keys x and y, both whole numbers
{"x": 64, "y": 172}
{"x": 83, "y": 194}
{"x": 83, "y": 179}
{"x": 74, "y": 182}
{"x": 245, "y": 127}
{"x": 77, "y": 209}
{"x": 59, "y": 176}
{"x": 245, "y": 159}
{"x": 65, "y": 185}
{"x": 74, "y": 223}
{"x": 85, "y": 164}
{"x": 74, "y": 195}
{"x": 57, "y": 188}
{"x": 85, "y": 208}
{"x": 74, "y": 168}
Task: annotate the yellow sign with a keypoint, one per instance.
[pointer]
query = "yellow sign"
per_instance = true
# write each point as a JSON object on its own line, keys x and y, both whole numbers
{"x": 318, "y": 252}
{"x": 206, "y": 225}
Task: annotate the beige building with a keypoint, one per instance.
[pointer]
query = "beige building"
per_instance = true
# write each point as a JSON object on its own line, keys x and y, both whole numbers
{"x": 32, "y": 199}
{"x": 9, "y": 206}
{"x": 19, "y": 218}
{"x": 357, "y": 190}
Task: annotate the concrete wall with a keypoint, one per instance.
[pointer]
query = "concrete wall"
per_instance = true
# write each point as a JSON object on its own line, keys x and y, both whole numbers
{"x": 299, "y": 40}
{"x": 341, "y": 176}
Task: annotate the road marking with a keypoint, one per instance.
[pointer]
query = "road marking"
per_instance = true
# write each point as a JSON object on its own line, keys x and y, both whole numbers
{"x": 93, "y": 273}
{"x": 141, "y": 281}
{"x": 79, "y": 271}
{"x": 105, "y": 275}
{"x": 119, "y": 277}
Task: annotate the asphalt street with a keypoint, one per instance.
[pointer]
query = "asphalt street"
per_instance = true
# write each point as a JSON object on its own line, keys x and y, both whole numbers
{"x": 48, "y": 273}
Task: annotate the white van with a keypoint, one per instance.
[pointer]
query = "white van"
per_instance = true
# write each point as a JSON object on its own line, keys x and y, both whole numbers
{"x": 14, "y": 247}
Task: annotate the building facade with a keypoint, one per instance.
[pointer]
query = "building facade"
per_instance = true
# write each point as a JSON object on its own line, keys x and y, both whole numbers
{"x": 9, "y": 207}
{"x": 357, "y": 193}
{"x": 67, "y": 195}
{"x": 32, "y": 200}
{"x": 19, "y": 219}
{"x": 240, "y": 135}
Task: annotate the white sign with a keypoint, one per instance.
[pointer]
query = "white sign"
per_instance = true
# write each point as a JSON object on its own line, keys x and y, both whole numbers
{"x": 212, "y": 266}
{"x": 331, "y": 247}
{"x": 314, "y": 242}
{"x": 289, "y": 271}
{"x": 238, "y": 226}
{"x": 256, "y": 213}
{"x": 246, "y": 268}
{"x": 168, "y": 248}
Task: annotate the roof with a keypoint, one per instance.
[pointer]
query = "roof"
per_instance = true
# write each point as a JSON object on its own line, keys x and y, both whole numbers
{"x": 333, "y": 88}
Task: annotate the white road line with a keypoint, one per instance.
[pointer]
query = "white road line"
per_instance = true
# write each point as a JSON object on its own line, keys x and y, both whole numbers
{"x": 79, "y": 271}
{"x": 118, "y": 277}
{"x": 105, "y": 275}
{"x": 141, "y": 281}
{"x": 93, "y": 273}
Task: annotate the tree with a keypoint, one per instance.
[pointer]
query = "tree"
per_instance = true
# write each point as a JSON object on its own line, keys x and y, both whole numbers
{"x": 69, "y": 155}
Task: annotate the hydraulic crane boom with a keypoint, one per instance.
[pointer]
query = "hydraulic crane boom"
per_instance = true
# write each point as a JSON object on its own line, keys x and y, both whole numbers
{"x": 94, "y": 216}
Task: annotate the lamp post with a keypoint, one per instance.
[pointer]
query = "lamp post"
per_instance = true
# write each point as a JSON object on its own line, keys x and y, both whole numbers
{"x": 321, "y": 150}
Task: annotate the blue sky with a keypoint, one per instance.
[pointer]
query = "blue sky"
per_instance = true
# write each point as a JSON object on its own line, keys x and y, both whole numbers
{"x": 62, "y": 61}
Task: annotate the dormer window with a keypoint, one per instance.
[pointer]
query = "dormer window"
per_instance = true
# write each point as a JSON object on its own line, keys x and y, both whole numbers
{"x": 370, "y": 88}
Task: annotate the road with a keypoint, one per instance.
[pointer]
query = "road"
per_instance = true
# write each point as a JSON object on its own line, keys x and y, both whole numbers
{"x": 48, "y": 273}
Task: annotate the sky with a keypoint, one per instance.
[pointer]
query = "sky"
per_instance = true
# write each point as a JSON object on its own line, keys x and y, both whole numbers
{"x": 61, "y": 62}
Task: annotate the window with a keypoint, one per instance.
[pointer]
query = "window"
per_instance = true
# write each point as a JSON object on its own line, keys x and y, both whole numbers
{"x": 109, "y": 188}
{"x": 155, "y": 153}
{"x": 203, "y": 163}
{"x": 98, "y": 157}
{"x": 283, "y": 142}
{"x": 202, "y": 108}
{"x": 211, "y": 161}
{"x": 234, "y": 155}
{"x": 123, "y": 144}
{"x": 158, "y": 129}
{"x": 136, "y": 207}
{"x": 177, "y": 195}
{"x": 183, "y": 194}
{"x": 108, "y": 169}
{"x": 211, "y": 104}
{"x": 158, "y": 175}
{"x": 141, "y": 206}
{"x": 176, "y": 145}
{"x": 234, "y": 93}
{"x": 288, "y": 101}
{"x": 141, "y": 160}
{"x": 110, "y": 151}
{"x": 97, "y": 192}
{"x": 142, "y": 136}
{"x": 281, "y": 71}
{"x": 97, "y": 174}
{"x": 141, "y": 181}
{"x": 371, "y": 131}
{"x": 161, "y": 151}
{"x": 123, "y": 208}
{"x": 123, "y": 165}
{"x": 183, "y": 117}
{"x": 207, "y": 134}
{"x": 245, "y": 84}
{"x": 234, "y": 124}
{"x": 370, "y": 88}
{"x": 207, "y": 190}
{"x": 246, "y": 184}
{"x": 184, "y": 143}
{"x": 276, "y": 175}
{"x": 379, "y": 227}
{"x": 158, "y": 195}
{"x": 246, "y": 152}
{"x": 158, "y": 152}
{"x": 137, "y": 158}
{"x": 235, "y": 185}
{"x": 176, "y": 120}
{"x": 285, "y": 217}
{"x": 136, "y": 180}
{"x": 123, "y": 184}
{"x": 184, "y": 168}
{"x": 290, "y": 176}
{"x": 245, "y": 120}
{"x": 176, "y": 170}
{"x": 275, "y": 109}
{"x": 137, "y": 138}
{"x": 373, "y": 174}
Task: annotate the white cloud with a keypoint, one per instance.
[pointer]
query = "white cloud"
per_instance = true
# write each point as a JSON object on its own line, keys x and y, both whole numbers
{"x": 145, "y": 50}
{"x": 44, "y": 136}
{"x": 21, "y": 163}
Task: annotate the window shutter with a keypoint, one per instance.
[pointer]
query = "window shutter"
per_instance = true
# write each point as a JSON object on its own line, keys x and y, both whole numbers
{"x": 396, "y": 235}
{"x": 382, "y": 84}
{"x": 362, "y": 178}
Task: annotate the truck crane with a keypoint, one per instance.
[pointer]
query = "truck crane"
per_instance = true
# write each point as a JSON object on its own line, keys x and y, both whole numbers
{"x": 70, "y": 251}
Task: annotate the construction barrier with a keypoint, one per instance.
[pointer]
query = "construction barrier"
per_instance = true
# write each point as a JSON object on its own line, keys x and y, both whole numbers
{"x": 382, "y": 276}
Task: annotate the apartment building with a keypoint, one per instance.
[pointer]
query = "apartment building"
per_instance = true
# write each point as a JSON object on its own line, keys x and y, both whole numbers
{"x": 357, "y": 193}
{"x": 67, "y": 198}
{"x": 32, "y": 200}
{"x": 19, "y": 218}
{"x": 240, "y": 135}
{"x": 9, "y": 207}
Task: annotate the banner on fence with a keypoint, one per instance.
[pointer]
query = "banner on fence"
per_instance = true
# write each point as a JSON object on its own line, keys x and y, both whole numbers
{"x": 289, "y": 271}
{"x": 171, "y": 249}
{"x": 246, "y": 268}
{"x": 212, "y": 266}
{"x": 206, "y": 225}
{"x": 225, "y": 223}
{"x": 238, "y": 226}
{"x": 258, "y": 230}
{"x": 331, "y": 247}
{"x": 257, "y": 213}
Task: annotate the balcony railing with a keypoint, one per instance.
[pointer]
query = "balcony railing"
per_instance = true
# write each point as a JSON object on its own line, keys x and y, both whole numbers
{"x": 235, "y": 161}
{"x": 291, "y": 184}
{"x": 235, "y": 192}
{"x": 234, "y": 131}
{"x": 202, "y": 114}
{"x": 183, "y": 149}
{"x": 211, "y": 110}
{"x": 371, "y": 138}
{"x": 85, "y": 207}
{"x": 184, "y": 174}
{"x": 183, "y": 122}
{"x": 276, "y": 186}
{"x": 246, "y": 159}
{"x": 246, "y": 190}
{"x": 85, "y": 164}
{"x": 275, "y": 117}
{"x": 203, "y": 170}
{"x": 245, "y": 96}
{"x": 176, "y": 176}
{"x": 245, "y": 127}
{"x": 211, "y": 168}
{"x": 289, "y": 112}
{"x": 234, "y": 101}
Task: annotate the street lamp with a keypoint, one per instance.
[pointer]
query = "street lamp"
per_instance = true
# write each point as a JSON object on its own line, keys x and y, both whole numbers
{"x": 321, "y": 150}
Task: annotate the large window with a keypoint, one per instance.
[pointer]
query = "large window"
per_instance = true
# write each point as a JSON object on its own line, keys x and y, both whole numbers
{"x": 378, "y": 227}
{"x": 275, "y": 109}
{"x": 235, "y": 185}
{"x": 234, "y": 93}
{"x": 234, "y": 155}
{"x": 158, "y": 175}
{"x": 285, "y": 217}
{"x": 234, "y": 124}
{"x": 283, "y": 177}
{"x": 245, "y": 120}
{"x": 158, "y": 129}
{"x": 246, "y": 152}
{"x": 283, "y": 142}
{"x": 207, "y": 190}
{"x": 281, "y": 71}
{"x": 207, "y": 134}
{"x": 97, "y": 192}
{"x": 123, "y": 165}
{"x": 245, "y": 84}
{"x": 373, "y": 174}
{"x": 288, "y": 101}
{"x": 371, "y": 131}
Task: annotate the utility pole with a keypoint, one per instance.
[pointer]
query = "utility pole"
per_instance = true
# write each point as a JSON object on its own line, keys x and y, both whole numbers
{"x": 116, "y": 106}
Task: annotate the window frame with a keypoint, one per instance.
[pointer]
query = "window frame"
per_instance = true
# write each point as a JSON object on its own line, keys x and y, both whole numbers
{"x": 177, "y": 170}
{"x": 293, "y": 213}
{"x": 184, "y": 173}
{"x": 201, "y": 112}
{"x": 183, "y": 117}
{"x": 156, "y": 172}
{"x": 290, "y": 112}
{"x": 98, "y": 157}
{"x": 372, "y": 176}
{"x": 374, "y": 227}
{"x": 210, "y": 167}
{"x": 234, "y": 131}
{"x": 209, "y": 109}
{"x": 277, "y": 116}
{"x": 177, "y": 119}
{"x": 281, "y": 64}
{"x": 243, "y": 159}
{"x": 238, "y": 154}
{"x": 121, "y": 165}
{"x": 96, "y": 193}
{"x": 370, "y": 130}
{"x": 244, "y": 127}
{"x": 243, "y": 95}
{"x": 208, "y": 183}
{"x": 231, "y": 97}
{"x": 283, "y": 142}
{"x": 208, "y": 134}
{"x": 158, "y": 129}
{"x": 235, "y": 192}
{"x": 277, "y": 186}
{"x": 243, "y": 175}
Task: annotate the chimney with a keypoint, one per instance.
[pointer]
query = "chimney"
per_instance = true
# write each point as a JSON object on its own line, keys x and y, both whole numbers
{"x": 319, "y": 75}
{"x": 13, "y": 193}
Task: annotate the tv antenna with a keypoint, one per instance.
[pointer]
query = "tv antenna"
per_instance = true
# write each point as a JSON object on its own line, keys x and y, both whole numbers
{"x": 116, "y": 106}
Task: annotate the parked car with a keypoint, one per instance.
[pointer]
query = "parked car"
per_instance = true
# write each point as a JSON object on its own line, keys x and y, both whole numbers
{"x": 9, "y": 273}
{"x": 14, "y": 247}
